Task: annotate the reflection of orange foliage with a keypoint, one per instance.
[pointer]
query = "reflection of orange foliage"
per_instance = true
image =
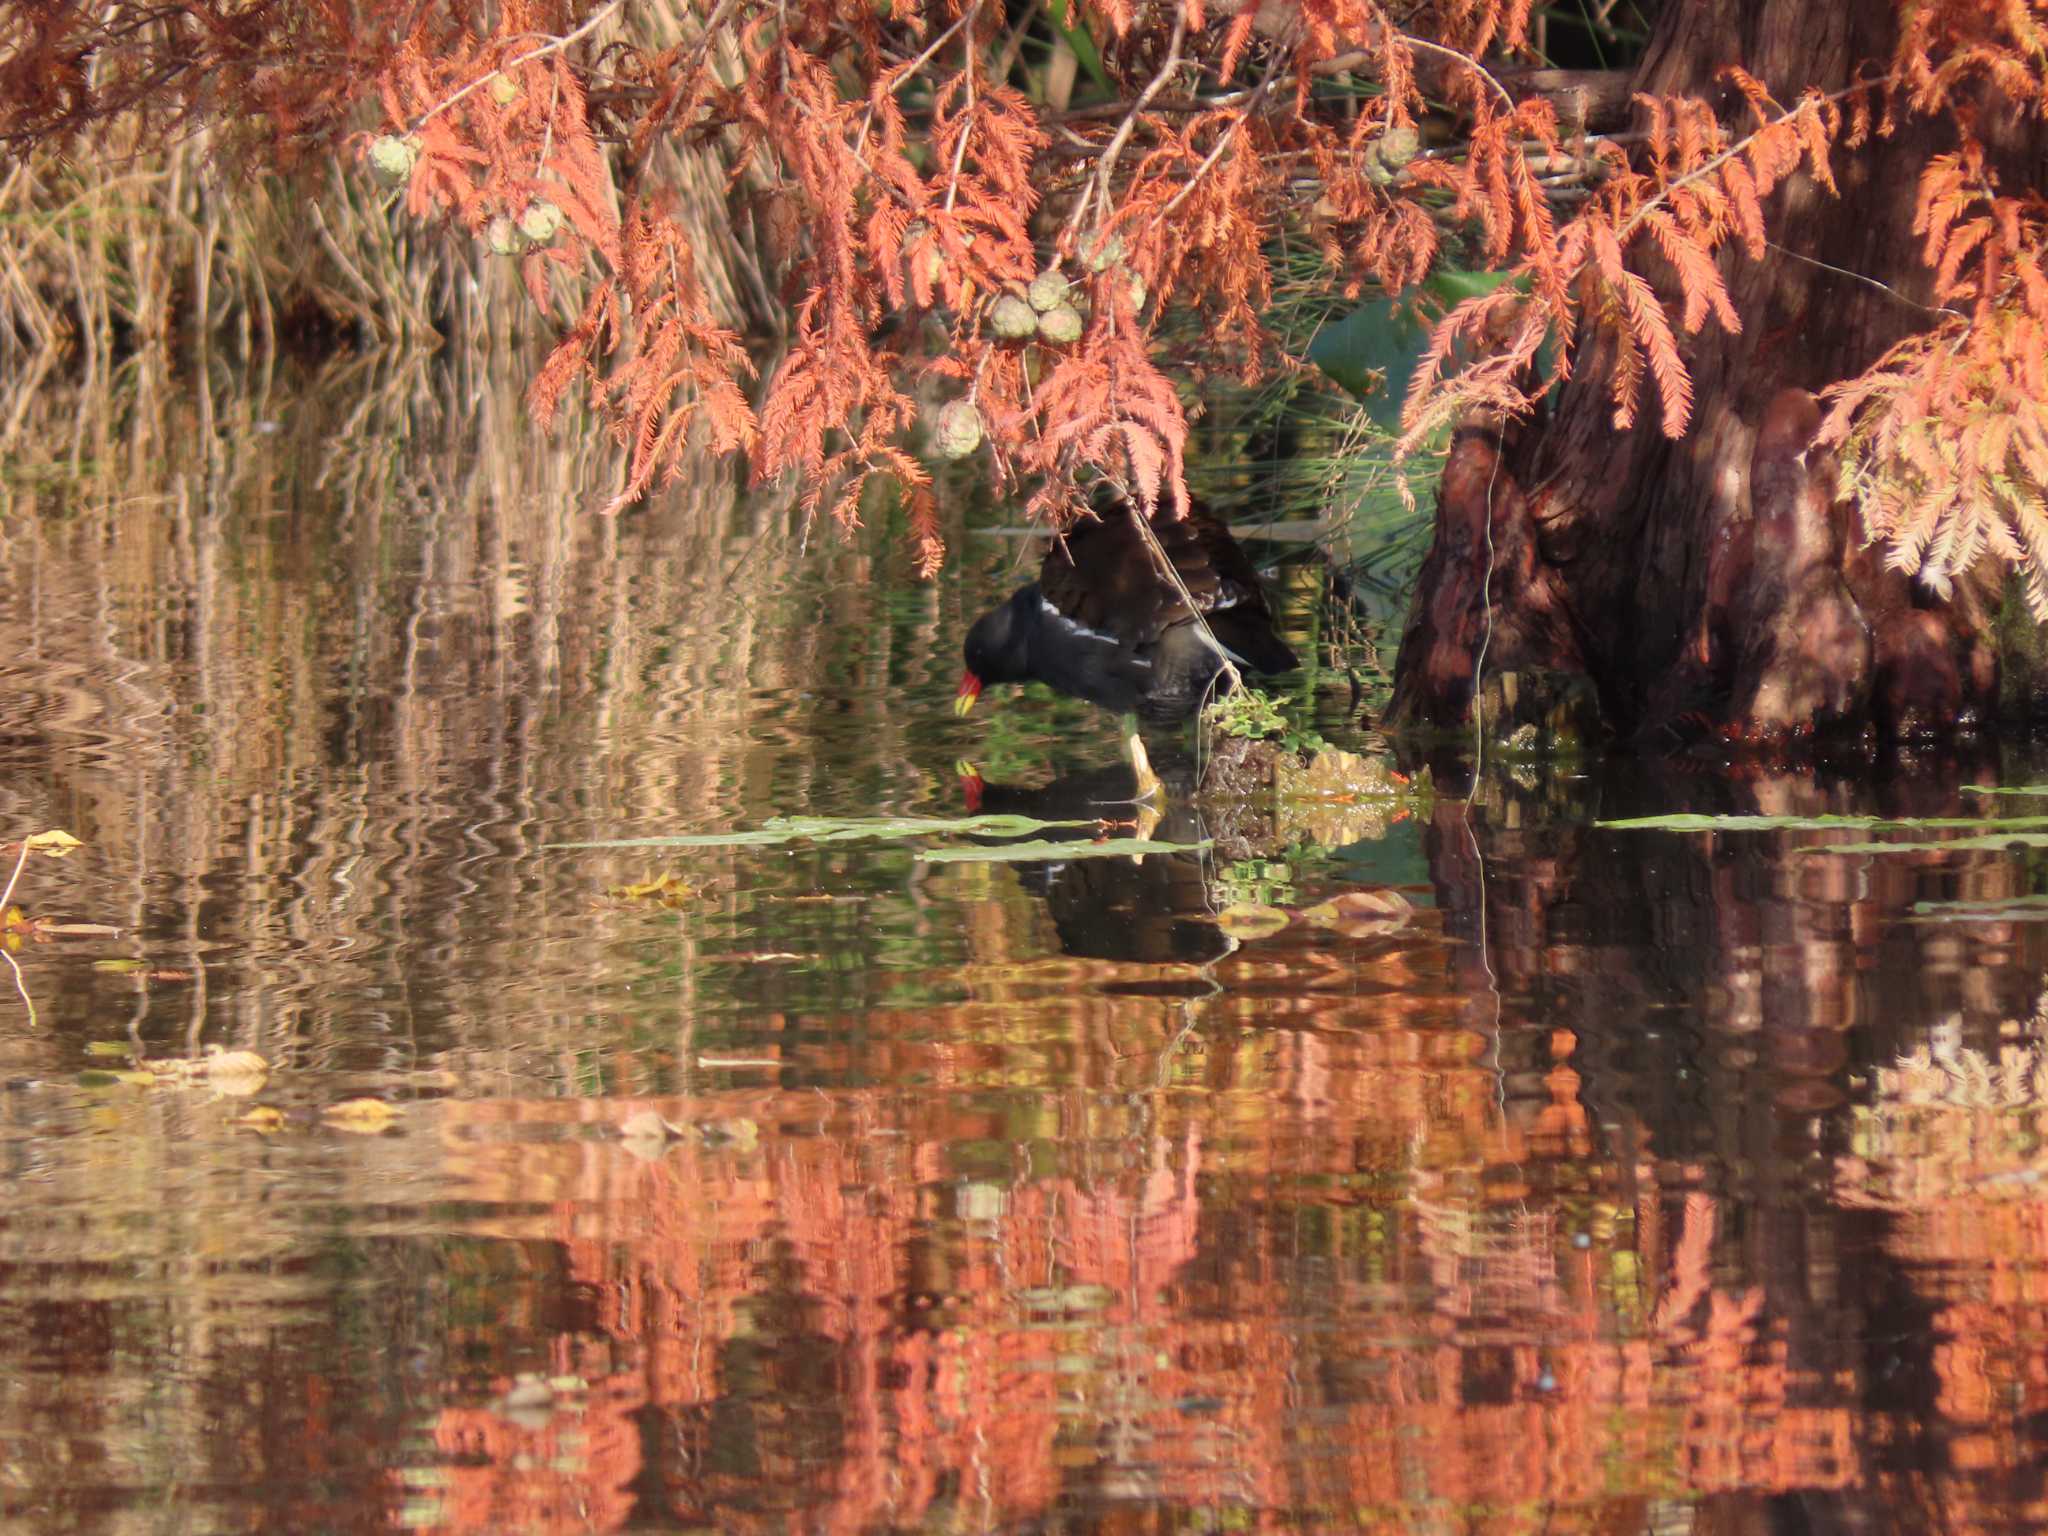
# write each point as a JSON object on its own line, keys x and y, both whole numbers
{"x": 1991, "y": 1367}
{"x": 1951, "y": 1145}
{"x": 571, "y": 1470}
{"x": 863, "y": 1315}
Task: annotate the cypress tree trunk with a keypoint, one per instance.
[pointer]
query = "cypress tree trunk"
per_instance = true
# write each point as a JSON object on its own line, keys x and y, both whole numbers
{"x": 1717, "y": 575}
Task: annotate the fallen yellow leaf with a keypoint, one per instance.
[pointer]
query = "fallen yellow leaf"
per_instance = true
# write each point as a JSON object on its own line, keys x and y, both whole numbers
{"x": 1251, "y": 920}
{"x": 364, "y": 1116}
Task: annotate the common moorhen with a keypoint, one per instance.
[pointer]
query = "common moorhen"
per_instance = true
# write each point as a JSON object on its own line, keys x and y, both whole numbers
{"x": 1103, "y": 623}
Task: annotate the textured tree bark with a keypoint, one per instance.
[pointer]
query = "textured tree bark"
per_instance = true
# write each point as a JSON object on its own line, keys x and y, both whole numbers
{"x": 1716, "y": 575}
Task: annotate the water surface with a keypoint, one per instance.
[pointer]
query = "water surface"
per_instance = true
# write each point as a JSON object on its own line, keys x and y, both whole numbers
{"x": 1636, "y": 1182}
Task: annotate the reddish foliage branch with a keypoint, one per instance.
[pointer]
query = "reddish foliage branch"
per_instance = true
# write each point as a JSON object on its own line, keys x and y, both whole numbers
{"x": 1699, "y": 190}
{"x": 1944, "y": 443}
{"x": 893, "y": 217}
{"x": 902, "y": 176}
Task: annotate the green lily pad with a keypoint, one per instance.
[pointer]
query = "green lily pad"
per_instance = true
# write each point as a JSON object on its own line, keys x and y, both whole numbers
{"x": 1012, "y": 853}
{"x": 841, "y": 829}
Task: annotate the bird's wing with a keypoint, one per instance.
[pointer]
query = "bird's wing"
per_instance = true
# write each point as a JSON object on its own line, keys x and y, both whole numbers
{"x": 1101, "y": 577}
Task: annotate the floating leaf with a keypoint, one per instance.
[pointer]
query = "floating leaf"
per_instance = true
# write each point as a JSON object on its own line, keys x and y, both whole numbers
{"x": 265, "y": 1118}
{"x": 2022, "y": 909}
{"x": 120, "y": 967}
{"x": 1361, "y": 914}
{"x": 53, "y": 844}
{"x": 1685, "y": 821}
{"x": 224, "y": 1071}
{"x": 529, "y": 1390}
{"x": 100, "y": 1077}
{"x": 1251, "y": 920}
{"x": 234, "y": 1071}
{"x": 108, "y": 1048}
{"x": 738, "y": 1132}
{"x": 1085, "y": 1297}
{"x": 839, "y": 829}
{"x": 78, "y": 930}
{"x": 1999, "y": 842}
{"x": 1012, "y": 853}
{"x": 1381, "y": 902}
{"x": 363, "y": 1116}
{"x": 666, "y": 890}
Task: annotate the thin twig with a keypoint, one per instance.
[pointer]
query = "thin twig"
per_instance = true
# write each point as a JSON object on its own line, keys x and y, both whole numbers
{"x": 1882, "y": 287}
{"x": 1627, "y": 230}
{"x": 16, "y": 876}
{"x": 1165, "y": 566}
{"x": 1106, "y": 166}
{"x": 1465, "y": 59}
{"x": 552, "y": 45}
{"x": 547, "y": 129}
{"x": 899, "y": 75}
{"x": 1208, "y": 161}
{"x": 21, "y": 987}
{"x": 1006, "y": 56}
{"x": 930, "y": 53}
{"x": 966, "y": 112}
{"x": 1101, "y": 109}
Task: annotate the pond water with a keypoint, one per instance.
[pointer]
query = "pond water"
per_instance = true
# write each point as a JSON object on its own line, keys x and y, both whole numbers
{"x": 1634, "y": 1181}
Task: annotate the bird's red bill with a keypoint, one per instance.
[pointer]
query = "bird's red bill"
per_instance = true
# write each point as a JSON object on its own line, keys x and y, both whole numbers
{"x": 970, "y": 690}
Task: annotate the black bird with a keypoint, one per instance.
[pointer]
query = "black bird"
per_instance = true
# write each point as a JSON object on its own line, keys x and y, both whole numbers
{"x": 1103, "y": 623}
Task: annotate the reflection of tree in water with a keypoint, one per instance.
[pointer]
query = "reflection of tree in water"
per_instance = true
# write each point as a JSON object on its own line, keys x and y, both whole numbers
{"x": 1950, "y": 1145}
{"x": 1369, "y": 1233}
{"x": 1322, "y": 1309}
{"x": 1588, "y": 1251}
{"x": 1731, "y": 987}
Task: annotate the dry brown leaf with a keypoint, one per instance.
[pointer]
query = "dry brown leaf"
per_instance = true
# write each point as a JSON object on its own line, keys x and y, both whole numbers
{"x": 1361, "y": 914}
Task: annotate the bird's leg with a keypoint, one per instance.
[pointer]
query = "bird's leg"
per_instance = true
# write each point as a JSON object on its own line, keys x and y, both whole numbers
{"x": 1141, "y": 764}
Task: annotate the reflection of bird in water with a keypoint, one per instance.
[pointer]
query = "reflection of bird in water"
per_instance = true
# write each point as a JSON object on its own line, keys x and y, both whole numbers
{"x": 1151, "y": 909}
{"x": 1105, "y": 624}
